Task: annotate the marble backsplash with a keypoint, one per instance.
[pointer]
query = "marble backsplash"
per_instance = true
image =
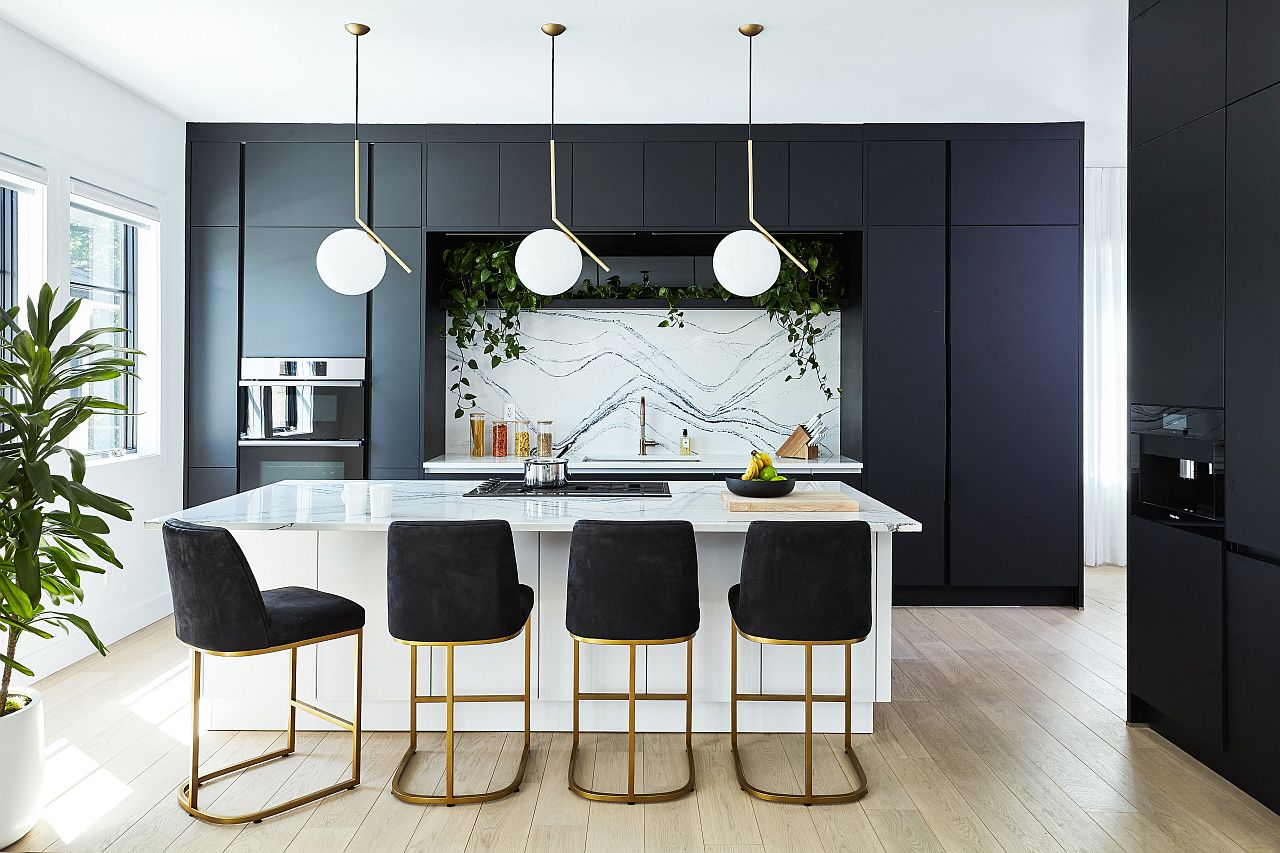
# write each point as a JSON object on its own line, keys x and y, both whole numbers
{"x": 722, "y": 377}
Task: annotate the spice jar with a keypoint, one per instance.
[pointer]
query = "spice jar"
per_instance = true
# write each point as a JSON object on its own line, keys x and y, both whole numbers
{"x": 499, "y": 445}
{"x": 521, "y": 439}
{"x": 544, "y": 438}
{"x": 477, "y": 433}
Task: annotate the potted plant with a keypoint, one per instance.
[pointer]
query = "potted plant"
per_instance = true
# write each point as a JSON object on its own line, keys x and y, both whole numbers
{"x": 51, "y": 531}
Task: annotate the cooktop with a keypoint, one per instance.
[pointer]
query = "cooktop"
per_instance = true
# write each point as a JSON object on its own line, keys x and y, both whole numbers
{"x": 574, "y": 489}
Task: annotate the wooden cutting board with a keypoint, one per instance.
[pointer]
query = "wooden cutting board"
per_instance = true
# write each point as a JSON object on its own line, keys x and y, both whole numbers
{"x": 802, "y": 501}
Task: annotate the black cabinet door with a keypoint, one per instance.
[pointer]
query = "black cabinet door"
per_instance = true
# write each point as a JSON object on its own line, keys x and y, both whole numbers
{"x": 397, "y": 333}
{"x": 1175, "y": 627}
{"x": 608, "y": 184}
{"x": 209, "y": 484}
{"x": 1177, "y": 253}
{"x": 772, "y": 184}
{"x": 1015, "y": 329}
{"x": 906, "y": 183}
{"x": 679, "y": 184}
{"x": 213, "y": 306}
{"x": 1253, "y": 63}
{"x": 1253, "y": 679}
{"x": 905, "y": 390}
{"x": 462, "y": 184}
{"x": 288, "y": 310}
{"x": 302, "y": 183}
{"x": 1252, "y": 319}
{"x": 826, "y": 184}
{"x": 525, "y": 191}
{"x": 1016, "y": 182}
{"x": 1177, "y": 65}
{"x": 213, "y": 183}
{"x": 396, "y": 194}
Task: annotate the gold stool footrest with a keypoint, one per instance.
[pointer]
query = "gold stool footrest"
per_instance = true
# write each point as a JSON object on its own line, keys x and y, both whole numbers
{"x": 629, "y": 799}
{"x": 456, "y": 799}
{"x": 810, "y": 799}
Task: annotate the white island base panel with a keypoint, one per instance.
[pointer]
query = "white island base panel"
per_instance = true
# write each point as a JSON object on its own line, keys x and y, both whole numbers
{"x": 252, "y": 692}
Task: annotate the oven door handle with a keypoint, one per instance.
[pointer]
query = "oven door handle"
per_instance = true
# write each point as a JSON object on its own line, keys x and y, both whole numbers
{"x": 292, "y": 442}
{"x": 320, "y": 383}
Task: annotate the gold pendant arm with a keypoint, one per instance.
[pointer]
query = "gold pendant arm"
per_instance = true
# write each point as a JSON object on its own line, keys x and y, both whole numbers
{"x": 561, "y": 225}
{"x": 361, "y": 222}
{"x": 751, "y": 209}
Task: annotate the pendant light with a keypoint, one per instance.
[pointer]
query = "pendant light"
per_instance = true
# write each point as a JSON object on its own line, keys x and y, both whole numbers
{"x": 353, "y": 260}
{"x": 549, "y": 261}
{"x": 746, "y": 262}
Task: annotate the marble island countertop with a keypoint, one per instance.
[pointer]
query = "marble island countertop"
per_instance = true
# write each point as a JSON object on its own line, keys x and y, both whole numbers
{"x": 317, "y": 505}
{"x": 630, "y": 463}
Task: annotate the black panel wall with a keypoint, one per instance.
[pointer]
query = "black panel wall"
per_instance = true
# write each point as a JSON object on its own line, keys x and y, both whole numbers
{"x": 1177, "y": 66}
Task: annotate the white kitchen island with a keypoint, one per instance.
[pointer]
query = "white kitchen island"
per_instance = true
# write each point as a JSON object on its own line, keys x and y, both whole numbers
{"x": 298, "y": 533}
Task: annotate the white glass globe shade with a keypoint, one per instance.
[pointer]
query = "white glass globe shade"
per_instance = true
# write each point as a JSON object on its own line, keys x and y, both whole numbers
{"x": 350, "y": 262}
{"x": 548, "y": 262}
{"x": 746, "y": 263}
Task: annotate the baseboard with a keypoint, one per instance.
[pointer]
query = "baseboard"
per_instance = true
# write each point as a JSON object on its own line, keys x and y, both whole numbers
{"x": 49, "y": 656}
{"x": 986, "y": 596}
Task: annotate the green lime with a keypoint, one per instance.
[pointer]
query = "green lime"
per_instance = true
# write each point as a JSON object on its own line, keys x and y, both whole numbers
{"x": 779, "y": 477}
{"x": 768, "y": 472}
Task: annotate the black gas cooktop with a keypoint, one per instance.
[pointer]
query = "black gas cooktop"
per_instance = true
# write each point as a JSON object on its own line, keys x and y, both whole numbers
{"x": 575, "y": 489}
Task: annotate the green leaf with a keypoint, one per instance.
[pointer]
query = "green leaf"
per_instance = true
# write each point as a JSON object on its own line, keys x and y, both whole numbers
{"x": 8, "y": 661}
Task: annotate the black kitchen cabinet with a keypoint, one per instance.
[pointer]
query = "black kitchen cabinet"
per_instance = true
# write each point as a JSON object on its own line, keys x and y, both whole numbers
{"x": 1015, "y": 336}
{"x": 1016, "y": 182}
{"x": 213, "y": 183}
{"x": 302, "y": 183}
{"x": 1253, "y": 679}
{"x": 772, "y": 184}
{"x": 288, "y": 310}
{"x": 209, "y": 484}
{"x": 608, "y": 184}
{"x": 1177, "y": 255}
{"x": 396, "y": 341}
{"x": 1137, "y": 7}
{"x": 1177, "y": 65}
{"x": 1253, "y": 63}
{"x": 906, "y": 183}
{"x": 213, "y": 362}
{"x": 525, "y": 184}
{"x": 1252, "y": 319}
{"x": 679, "y": 184}
{"x": 905, "y": 390}
{"x": 1175, "y": 627}
{"x": 462, "y": 184}
{"x": 825, "y": 185}
{"x": 396, "y": 195}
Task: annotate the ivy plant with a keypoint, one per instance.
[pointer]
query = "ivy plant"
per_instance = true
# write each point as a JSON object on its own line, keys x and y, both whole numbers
{"x": 798, "y": 301}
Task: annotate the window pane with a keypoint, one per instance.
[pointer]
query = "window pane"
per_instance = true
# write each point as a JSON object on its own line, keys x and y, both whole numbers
{"x": 104, "y": 308}
{"x": 97, "y": 250}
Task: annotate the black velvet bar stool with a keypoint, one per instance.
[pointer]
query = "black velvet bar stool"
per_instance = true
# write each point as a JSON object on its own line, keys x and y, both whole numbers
{"x": 632, "y": 583}
{"x": 454, "y": 583}
{"x": 219, "y": 610}
{"x": 805, "y": 583}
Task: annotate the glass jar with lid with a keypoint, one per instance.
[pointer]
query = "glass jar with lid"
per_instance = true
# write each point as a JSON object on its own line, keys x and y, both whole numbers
{"x": 544, "y": 438}
{"x": 521, "y": 439}
{"x": 477, "y": 433}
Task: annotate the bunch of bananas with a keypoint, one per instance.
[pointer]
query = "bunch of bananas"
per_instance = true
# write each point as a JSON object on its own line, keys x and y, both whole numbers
{"x": 761, "y": 468}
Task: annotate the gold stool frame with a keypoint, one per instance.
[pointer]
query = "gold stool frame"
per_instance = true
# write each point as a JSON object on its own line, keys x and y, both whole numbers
{"x": 449, "y": 699}
{"x": 188, "y": 795}
{"x": 631, "y": 797}
{"x": 808, "y": 798}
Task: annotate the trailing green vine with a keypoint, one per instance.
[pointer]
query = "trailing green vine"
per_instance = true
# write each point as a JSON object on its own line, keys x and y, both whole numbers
{"x": 798, "y": 300}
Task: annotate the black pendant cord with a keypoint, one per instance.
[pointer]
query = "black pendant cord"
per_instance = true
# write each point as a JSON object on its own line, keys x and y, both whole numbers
{"x": 356, "y": 124}
{"x": 751, "y": 44}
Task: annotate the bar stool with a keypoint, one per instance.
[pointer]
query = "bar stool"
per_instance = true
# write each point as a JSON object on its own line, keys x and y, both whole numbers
{"x": 219, "y": 610}
{"x": 632, "y": 583}
{"x": 454, "y": 583}
{"x": 805, "y": 583}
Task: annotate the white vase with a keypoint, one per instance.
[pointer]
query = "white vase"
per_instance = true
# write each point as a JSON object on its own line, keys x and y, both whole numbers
{"x": 22, "y": 776}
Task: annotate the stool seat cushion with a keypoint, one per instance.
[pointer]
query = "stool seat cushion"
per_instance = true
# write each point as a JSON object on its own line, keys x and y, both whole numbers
{"x": 295, "y": 613}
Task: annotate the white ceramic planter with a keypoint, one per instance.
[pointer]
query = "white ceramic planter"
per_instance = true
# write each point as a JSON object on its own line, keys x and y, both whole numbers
{"x": 21, "y": 768}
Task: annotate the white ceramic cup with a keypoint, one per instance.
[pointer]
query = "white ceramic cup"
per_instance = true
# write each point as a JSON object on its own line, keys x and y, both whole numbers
{"x": 355, "y": 496}
{"x": 380, "y": 499}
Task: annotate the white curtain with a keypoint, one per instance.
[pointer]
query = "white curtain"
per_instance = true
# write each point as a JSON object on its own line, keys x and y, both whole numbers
{"x": 1106, "y": 429}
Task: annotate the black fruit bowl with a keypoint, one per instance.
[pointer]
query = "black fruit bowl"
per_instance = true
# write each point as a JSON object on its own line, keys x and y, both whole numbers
{"x": 759, "y": 488}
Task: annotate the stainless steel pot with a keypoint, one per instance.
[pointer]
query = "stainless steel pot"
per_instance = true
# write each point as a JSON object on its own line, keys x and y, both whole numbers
{"x": 544, "y": 472}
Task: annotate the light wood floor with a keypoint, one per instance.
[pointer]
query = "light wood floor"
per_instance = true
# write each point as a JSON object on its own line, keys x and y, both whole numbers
{"x": 1006, "y": 733}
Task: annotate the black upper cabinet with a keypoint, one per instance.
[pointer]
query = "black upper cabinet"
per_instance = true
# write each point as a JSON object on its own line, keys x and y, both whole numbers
{"x": 906, "y": 183}
{"x": 1177, "y": 254}
{"x": 209, "y": 484}
{"x": 905, "y": 390}
{"x": 396, "y": 342}
{"x": 608, "y": 184}
{"x": 772, "y": 193}
{"x": 1015, "y": 406}
{"x": 1252, "y": 319}
{"x": 525, "y": 192}
{"x": 825, "y": 184}
{"x": 288, "y": 310}
{"x": 302, "y": 183}
{"x": 1137, "y": 7}
{"x": 679, "y": 184}
{"x": 396, "y": 196}
{"x": 462, "y": 184}
{"x": 1253, "y": 679}
{"x": 1177, "y": 65}
{"x": 1253, "y": 63}
{"x": 213, "y": 191}
{"x": 1016, "y": 182}
{"x": 213, "y": 364}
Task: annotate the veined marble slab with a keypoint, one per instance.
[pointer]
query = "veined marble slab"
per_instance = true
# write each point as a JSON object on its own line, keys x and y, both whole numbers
{"x": 488, "y": 466}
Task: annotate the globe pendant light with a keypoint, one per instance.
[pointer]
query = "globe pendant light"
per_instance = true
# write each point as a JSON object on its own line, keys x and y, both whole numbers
{"x": 549, "y": 261}
{"x": 353, "y": 260}
{"x": 746, "y": 262}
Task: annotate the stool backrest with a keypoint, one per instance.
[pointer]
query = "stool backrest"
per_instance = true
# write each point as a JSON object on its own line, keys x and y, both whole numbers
{"x": 451, "y": 581}
{"x": 632, "y": 580}
{"x": 217, "y": 604}
{"x": 806, "y": 581}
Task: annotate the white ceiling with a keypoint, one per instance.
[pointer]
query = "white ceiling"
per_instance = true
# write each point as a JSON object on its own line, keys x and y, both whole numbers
{"x": 484, "y": 61}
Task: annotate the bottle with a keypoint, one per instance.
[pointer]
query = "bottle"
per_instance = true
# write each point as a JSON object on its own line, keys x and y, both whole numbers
{"x": 686, "y": 446}
{"x": 477, "y": 434}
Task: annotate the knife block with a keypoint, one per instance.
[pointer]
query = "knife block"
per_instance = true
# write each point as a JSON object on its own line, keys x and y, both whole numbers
{"x": 797, "y": 446}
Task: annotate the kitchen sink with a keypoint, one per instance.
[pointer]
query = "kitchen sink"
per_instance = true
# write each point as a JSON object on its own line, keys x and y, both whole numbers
{"x": 636, "y": 457}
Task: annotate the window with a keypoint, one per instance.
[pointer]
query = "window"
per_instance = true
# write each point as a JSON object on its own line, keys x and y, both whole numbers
{"x": 22, "y": 215}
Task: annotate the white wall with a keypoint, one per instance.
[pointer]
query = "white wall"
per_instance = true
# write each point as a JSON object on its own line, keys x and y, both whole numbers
{"x": 76, "y": 123}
